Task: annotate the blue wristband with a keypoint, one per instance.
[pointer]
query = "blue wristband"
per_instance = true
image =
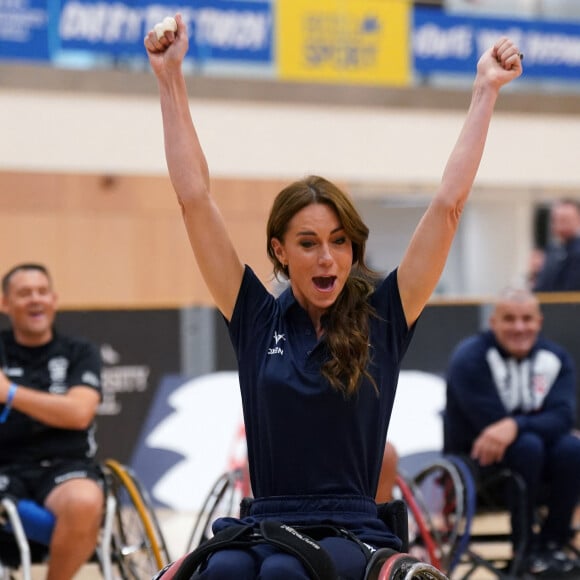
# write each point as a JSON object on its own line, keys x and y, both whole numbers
{"x": 8, "y": 403}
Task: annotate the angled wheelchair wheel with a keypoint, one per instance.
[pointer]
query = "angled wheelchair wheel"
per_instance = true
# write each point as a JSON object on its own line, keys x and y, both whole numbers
{"x": 405, "y": 567}
{"x": 421, "y": 543}
{"x": 469, "y": 508}
{"x": 489, "y": 493}
{"x": 395, "y": 568}
{"x": 439, "y": 488}
{"x": 138, "y": 548}
{"x": 222, "y": 500}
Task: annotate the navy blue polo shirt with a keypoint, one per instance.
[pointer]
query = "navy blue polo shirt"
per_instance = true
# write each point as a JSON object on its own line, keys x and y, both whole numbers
{"x": 303, "y": 436}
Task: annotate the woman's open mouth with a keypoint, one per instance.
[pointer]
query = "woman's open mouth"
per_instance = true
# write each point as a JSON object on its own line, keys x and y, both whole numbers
{"x": 324, "y": 283}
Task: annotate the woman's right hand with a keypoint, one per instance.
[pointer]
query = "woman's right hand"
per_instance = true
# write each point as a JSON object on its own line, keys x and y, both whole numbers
{"x": 167, "y": 53}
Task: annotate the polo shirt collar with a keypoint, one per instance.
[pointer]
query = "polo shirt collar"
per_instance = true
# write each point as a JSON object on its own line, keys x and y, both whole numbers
{"x": 286, "y": 300}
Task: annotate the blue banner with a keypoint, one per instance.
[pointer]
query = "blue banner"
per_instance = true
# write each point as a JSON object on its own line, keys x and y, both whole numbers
{"x": 24, "y": 30}
{"x": 241, "y": 33}
{"x": 231, "y": 30}
{"x": 452, "y": 44}
{"x": 219, "y": 30}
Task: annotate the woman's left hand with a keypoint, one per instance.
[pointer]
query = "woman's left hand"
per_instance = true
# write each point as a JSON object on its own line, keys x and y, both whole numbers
{"x": 501, "y": 63}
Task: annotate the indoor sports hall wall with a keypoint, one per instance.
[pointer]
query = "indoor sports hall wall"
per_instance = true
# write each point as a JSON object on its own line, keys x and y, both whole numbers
{"x": 387, "y": 146}
{"x": 119, "y": 240}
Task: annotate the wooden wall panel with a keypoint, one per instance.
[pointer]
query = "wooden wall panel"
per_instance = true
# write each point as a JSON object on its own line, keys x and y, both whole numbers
{"x": 119, "y": 241}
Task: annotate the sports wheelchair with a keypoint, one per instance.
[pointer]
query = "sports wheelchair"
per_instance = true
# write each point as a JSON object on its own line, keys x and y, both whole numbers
{"x": 131, "y": 545}
{"x": 467, "y": 517}
{"x": 225, "y": 497}
{"x": 447, "y": 499}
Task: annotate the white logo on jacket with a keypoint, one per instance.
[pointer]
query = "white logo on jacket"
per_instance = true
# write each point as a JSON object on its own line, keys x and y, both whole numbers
{"x": 524, "y": 385}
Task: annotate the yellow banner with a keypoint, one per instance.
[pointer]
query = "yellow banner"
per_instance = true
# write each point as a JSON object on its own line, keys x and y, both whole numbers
{"x": 347, "y": 41}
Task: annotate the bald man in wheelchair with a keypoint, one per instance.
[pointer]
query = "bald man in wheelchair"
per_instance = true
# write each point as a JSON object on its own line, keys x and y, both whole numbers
{"x": 511, "y": 401}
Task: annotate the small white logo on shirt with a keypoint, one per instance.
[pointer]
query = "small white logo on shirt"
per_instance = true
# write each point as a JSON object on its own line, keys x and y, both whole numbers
{"x": 58, "y": 368}
{"x": 277, "y": 349}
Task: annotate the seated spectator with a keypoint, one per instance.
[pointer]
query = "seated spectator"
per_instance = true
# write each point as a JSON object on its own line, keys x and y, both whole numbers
{"x": 561, "y": 266}
{"x": 511, "y": 402}
{"x": 49, "y": 393}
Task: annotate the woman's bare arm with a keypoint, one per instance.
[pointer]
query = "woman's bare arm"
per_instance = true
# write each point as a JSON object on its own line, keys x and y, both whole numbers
{"x": 215, "y": 254}
{"x": 425, "y": 258}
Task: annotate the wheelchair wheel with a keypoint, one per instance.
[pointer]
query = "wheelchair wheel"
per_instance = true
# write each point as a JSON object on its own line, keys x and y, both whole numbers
{"x": 405, "y": 567}
{"x": 439, "y": 488}
{"x": 421, "y": 543}
{"x": 138, "y": 548}
{"x": 223, "y": 500}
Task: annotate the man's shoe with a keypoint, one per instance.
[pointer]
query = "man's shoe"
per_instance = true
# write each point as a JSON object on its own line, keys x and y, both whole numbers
{"x": 569, "y": 563}
{"x": 552, "y": 562}
{"x": 545, "y": 564}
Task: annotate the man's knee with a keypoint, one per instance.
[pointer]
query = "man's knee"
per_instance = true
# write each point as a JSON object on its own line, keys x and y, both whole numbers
{"x": 529, "y": 444}
{"x": 527, "y": 454}
{"x": 77, "y": 499}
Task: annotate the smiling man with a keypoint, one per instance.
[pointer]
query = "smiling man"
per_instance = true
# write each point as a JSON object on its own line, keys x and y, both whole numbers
{"x": 50, "y": 389}
{"x": 511, "y": 400}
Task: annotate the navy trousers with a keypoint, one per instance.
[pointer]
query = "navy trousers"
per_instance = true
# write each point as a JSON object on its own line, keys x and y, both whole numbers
{"x": 265, "y": 562}
{"x": 551, "y": 472}
{"x": 356, "y": 514}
